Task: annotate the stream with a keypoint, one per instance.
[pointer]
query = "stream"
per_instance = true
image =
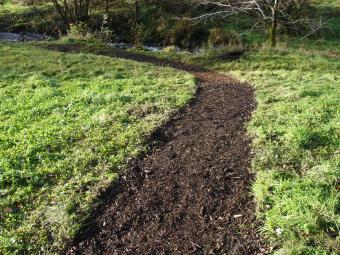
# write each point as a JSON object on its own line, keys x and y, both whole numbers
{"x": 21, "y": 37}
{"x": 29, "y": 37}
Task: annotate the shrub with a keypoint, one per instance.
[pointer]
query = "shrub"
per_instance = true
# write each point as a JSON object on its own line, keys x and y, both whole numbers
{"x": 139, "y": 33}
{"x": 226, "y": 53}
{"x": 162, "y": 30}
{"x": 185, "y": 34}
{"x": 199, "y": 36}
{"x": 179, "y": 33}
{"x": 106, "y": 34}
{"x": 81, "y": 32}
{"x": 170, "y": 49}
{"x": 221, "y": 37}
{"x": 78, "y": 30}
{"x": 27, "y": 2}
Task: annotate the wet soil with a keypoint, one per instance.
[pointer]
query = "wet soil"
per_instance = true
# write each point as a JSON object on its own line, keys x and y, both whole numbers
{"x": 191, "y": 193}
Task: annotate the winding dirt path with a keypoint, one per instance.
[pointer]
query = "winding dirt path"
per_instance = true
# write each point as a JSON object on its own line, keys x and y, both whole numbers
{"x": 191, "y": 193}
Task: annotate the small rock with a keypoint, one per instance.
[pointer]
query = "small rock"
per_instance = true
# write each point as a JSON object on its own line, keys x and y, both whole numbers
{"x": 237, "y": 216}
{"x": 278, "y": 231}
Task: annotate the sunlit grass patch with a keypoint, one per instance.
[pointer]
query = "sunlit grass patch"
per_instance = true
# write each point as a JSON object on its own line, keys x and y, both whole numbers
{"x": 68, "y": 123}
{"x": 296, "y": 140}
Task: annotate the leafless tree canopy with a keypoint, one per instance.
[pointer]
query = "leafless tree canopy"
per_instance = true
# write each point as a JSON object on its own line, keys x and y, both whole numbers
{"x": 73, "y": 10}
{"x": 272, "y": 13}
{"x": 262, "y": 8}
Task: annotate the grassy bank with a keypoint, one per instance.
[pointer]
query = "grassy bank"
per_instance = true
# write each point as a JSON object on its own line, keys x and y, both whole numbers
{"x": 68, "y": 124}
{"x": 20, "y": 18}
{"x": 296, "y": 143}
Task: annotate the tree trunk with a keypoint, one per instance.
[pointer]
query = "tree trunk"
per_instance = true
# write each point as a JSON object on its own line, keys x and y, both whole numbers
{"x": 137, "y": 11}
{"x": 274, "y": 24}
{"x": 272, "y": 33}
{"x": 161, "y": 6}
{"x": 73, "y": 11}
{"x": 107, "y": 6}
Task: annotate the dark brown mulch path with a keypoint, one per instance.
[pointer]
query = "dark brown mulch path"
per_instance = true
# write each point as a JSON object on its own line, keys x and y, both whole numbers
{"x": 191, "y": 193}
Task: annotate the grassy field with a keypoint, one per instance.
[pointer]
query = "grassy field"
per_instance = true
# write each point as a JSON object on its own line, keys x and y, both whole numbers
{"x": 68, "y": 123}
{"x": 296, "y": 131}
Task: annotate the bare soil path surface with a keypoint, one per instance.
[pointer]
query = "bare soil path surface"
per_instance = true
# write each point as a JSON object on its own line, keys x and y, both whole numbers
{"x": 191, "y": 193}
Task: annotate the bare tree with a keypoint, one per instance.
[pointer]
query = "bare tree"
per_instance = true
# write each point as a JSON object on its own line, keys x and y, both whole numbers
{"x": 72, "y": 11}
{"x": 272, "y": 13}
{"x": 137, "y": 10}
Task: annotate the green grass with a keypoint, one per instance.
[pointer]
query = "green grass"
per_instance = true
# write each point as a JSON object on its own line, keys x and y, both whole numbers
{"x": 21, "y": 18}
{"x": 296, "y": 140}
{"x": 68, "y": 124}
{"x": 326, "y": 3}
{"x": 13, "y": 8}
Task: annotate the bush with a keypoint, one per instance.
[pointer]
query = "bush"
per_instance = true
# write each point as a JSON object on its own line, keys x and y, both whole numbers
{"x": 170, "y": 49}
{"x": 221, "y": 37}
{"x": 78, "y": 31}
{"x": 199, "y": 36}
{"x": 139, "y": 34}
{"x": 162, "y": 30}
{"x": 106, "y": 34}
{"x": 226, "y": 53}
{"x": 185, "y": 34}
{"x": 27, "y": 2}
{"x": 81, "y": 32}
{"x": 179, "y": 33}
